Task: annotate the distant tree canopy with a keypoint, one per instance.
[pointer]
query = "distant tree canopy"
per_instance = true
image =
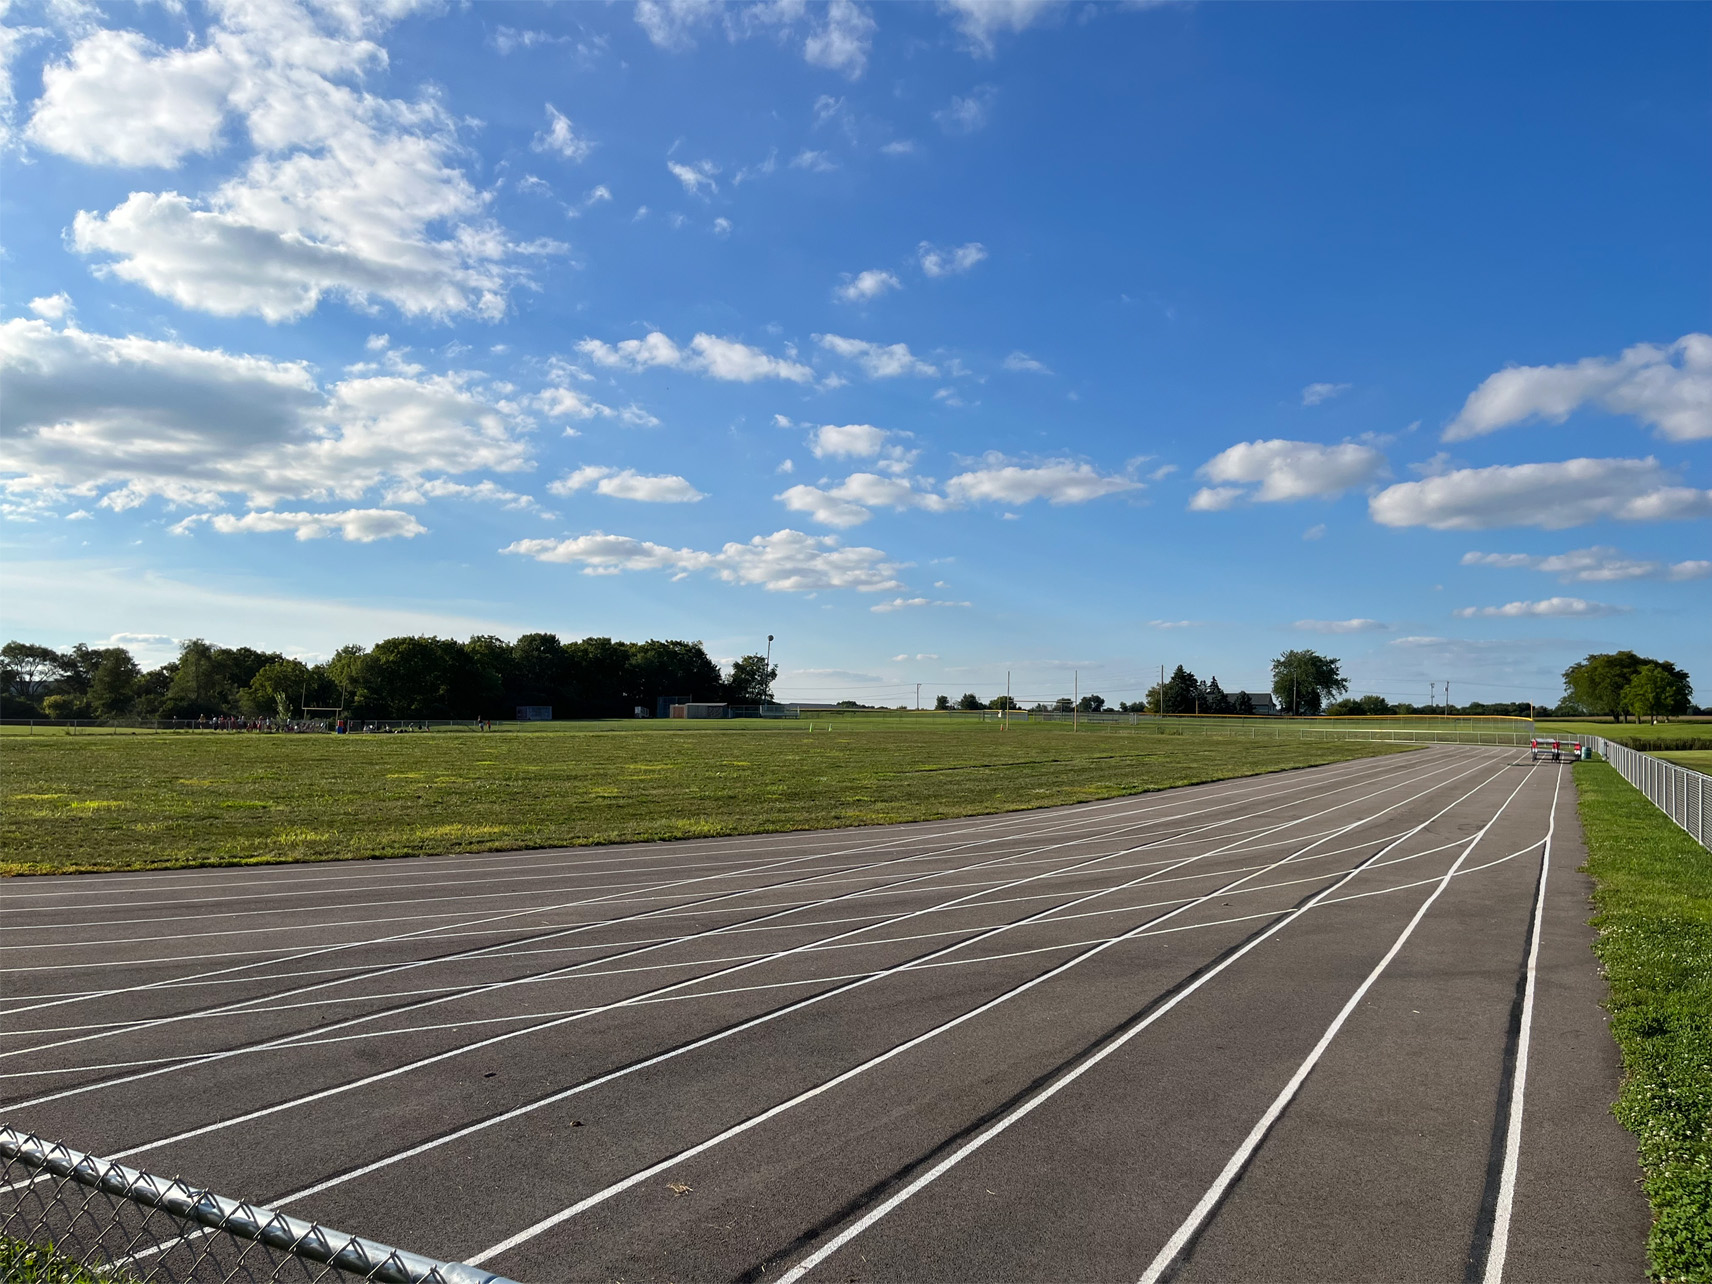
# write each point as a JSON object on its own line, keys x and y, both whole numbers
{"x": 1368, "y": 706}
{"x": 1303, "y": 680}
{"x": 402, "y": 677}
{"x": 1600, "y": 684}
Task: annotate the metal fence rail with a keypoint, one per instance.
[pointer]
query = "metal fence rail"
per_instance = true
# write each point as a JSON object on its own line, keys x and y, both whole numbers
{"x": 1679, "y": 792}
{"x": 60, "y": 1207}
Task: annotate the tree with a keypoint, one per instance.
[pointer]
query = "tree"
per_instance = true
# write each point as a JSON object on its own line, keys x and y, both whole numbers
{"x": 1091, "y": 703}
{"x": 1182, "y": 692}
{"x": 1242, "y": 703}
{"x": 1063, "y": 704}
{"x": 941, "y": 703}
{"x": 969, "y": 700}
{"x": 1369, "y": 706}
{"x": 279, "y": 690}
{"x": 1597, "y": 684}
{"x": 1002, "y": 702}
{"x": 28, "y": 669}
{"x": 1655, "y": 690}
{"x": 345, "y": 670}
{"x": 114, "y": 687}
{"x": 1302, "y": 680}
{"x": 751, "y": 680}
{"x": 198, "y": 687}
{"x": 1213, "y": 697}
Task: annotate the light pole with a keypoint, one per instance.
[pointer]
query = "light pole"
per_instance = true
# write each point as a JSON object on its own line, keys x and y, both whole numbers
{"x": 767, "y": 672}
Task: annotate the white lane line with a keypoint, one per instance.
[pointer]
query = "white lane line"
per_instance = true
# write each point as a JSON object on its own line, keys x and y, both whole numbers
{"x": 388, "y": 1074}
{"x": 1232, "y": 1169}
{"x": 754, "y": 1121}
{"x": 1499, "y": 1247}
{"x": 1026, "y": 1108}
{"x": 837, "y": 977}
{"x": 242, "y": 1007}
{"x": 403, "y": 869}
{"x": 1379, "y": 767}
{"x": 478, "y": 989}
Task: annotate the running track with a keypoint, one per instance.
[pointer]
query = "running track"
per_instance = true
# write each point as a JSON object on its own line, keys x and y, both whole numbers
{"x": 1333, "y": 1024}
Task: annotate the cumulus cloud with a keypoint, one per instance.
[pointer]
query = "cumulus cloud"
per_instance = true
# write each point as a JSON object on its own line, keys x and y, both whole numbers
{"x": 561, "y": 138}
{"x": 1022, "y": 363}
{"x": 787, "y": 561}
{"x": 707, "y": 354}
{"x": 1573, "y": 607}
{"x": 670, "y": 24}
{"x": 910, "y": 603}
{"x": 950, "y": 261}
{"x": 345, "y": 193}
{"x": 860, "y": 441}
{"x": 52, "y": 307}
{"x": 877, "y": 361}
{"x": 1341, "y": 626}
{"x": 135, "y": 418}
{"x": 1285, "y": 470}
{"x": 1669, "y": 388}
{"x": 1599, "y": 564}
{"x": 1550, "y": 496}
{"x": 850, "y": 503}
{"x": 1315, "y": 393}
{"x": 967, "y": 113}
{"x": 657, "y": 488}
{"x": 358, "y": 525}
{"x": 868, "y": 285}
{"x": 839, "y": 34}
{"x": 1058, "y": 481}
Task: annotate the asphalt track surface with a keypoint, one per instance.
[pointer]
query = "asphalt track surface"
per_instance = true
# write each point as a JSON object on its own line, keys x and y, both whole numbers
{"x": 1328, "y": 1024}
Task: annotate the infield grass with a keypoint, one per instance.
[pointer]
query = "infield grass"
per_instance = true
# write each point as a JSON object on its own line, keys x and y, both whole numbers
{"x": 85, "y": 803}
{"x": 1654, "y": 895}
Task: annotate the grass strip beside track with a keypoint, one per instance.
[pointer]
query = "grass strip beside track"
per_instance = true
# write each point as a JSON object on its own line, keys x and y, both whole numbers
{"x": 22, "y": 1262}
{"x": 84, "y": 804}
{"x": 1654, "y": 896}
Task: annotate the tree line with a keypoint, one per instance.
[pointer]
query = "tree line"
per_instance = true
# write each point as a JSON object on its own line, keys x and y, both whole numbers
{"x": 402, "y": 677}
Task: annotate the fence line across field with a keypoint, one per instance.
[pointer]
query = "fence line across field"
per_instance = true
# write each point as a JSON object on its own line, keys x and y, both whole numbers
{"x": 1681, "y": 793}
{"x": 60, "y": 1206}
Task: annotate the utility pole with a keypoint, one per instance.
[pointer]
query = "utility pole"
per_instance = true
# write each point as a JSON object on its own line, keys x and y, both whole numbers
{"x": 1447, "y": 697}
{"x": 1075, "y": 698}
{"x": 918, "y": 697}
{"x": 1161, "y": 709}
{"x": 1005, "y": 716}
{"x": 1433, "y": 698}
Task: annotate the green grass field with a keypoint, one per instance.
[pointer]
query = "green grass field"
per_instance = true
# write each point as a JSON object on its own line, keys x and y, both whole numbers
{"x": 1677, "y": 732}
{"x": 1654, "y": 895}
{"x": 81, "y": 803}
{"x": 1699, "y": 759}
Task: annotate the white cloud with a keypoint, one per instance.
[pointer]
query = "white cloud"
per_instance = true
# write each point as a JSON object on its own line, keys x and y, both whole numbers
{"x": 950, "y": 261}
{"x": 137, "y": 418}
{"x": 910, "y": 603}
{"x": 1551, "y": 496}
{"x": 1573, "y": 607}
{"x": 1175, "y": 624}
{"x": 346, "y": 193}
{"x": 53, "y": 307}
{"x": 359, "y": 525}
{"x": 669, "y": 23}
{"x": 717, "y": 358}
{"x": 1022, "y": 363}
{"x": 1317, "y": 531}
{"x": 1315, "y": 393}
{"x": 695, "y": 177}
{"x": 1597, "y": 565}
{"x": 878, "y": 361}
{"x": 898, "y": 147}
{"x": 787, "y": 561}
{"x": 845, "y": 441}
{"x": 980, "y": 20}
{"x": 1341, "y": 626}
{"x": 1285, "y": 470}
{"x": 842, "y": 39}
{"x": 867, "y": 285}
{"x": 968, "y": 113}
{"x": 1058, "y": 481}
{"x": 1668, "y": 388}
{"x": 813, "y": 161}
{"x": 121, "y": 100}
{"x": 485, "y": 491}
{"x": 658, "y": 488}
{"x": 850, "y": 502}
{"x": 561, "y": 138}
{"x": 722, "y": 227}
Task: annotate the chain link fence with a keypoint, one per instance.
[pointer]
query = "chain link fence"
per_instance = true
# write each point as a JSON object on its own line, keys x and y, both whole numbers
{"x": 71, "y": 1218}
{"x": 1679, "y": 792}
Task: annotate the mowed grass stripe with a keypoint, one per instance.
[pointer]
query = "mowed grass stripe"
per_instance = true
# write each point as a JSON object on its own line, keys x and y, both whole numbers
{"x": 178, "y": 800}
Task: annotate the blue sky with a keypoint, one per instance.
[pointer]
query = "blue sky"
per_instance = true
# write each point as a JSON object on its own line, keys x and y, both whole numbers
{"x": 937, "y": 341}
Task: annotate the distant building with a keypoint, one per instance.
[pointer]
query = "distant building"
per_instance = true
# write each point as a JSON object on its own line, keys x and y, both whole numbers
{"x": 692, "y": 710}
{"x": 1262, "y": 701}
